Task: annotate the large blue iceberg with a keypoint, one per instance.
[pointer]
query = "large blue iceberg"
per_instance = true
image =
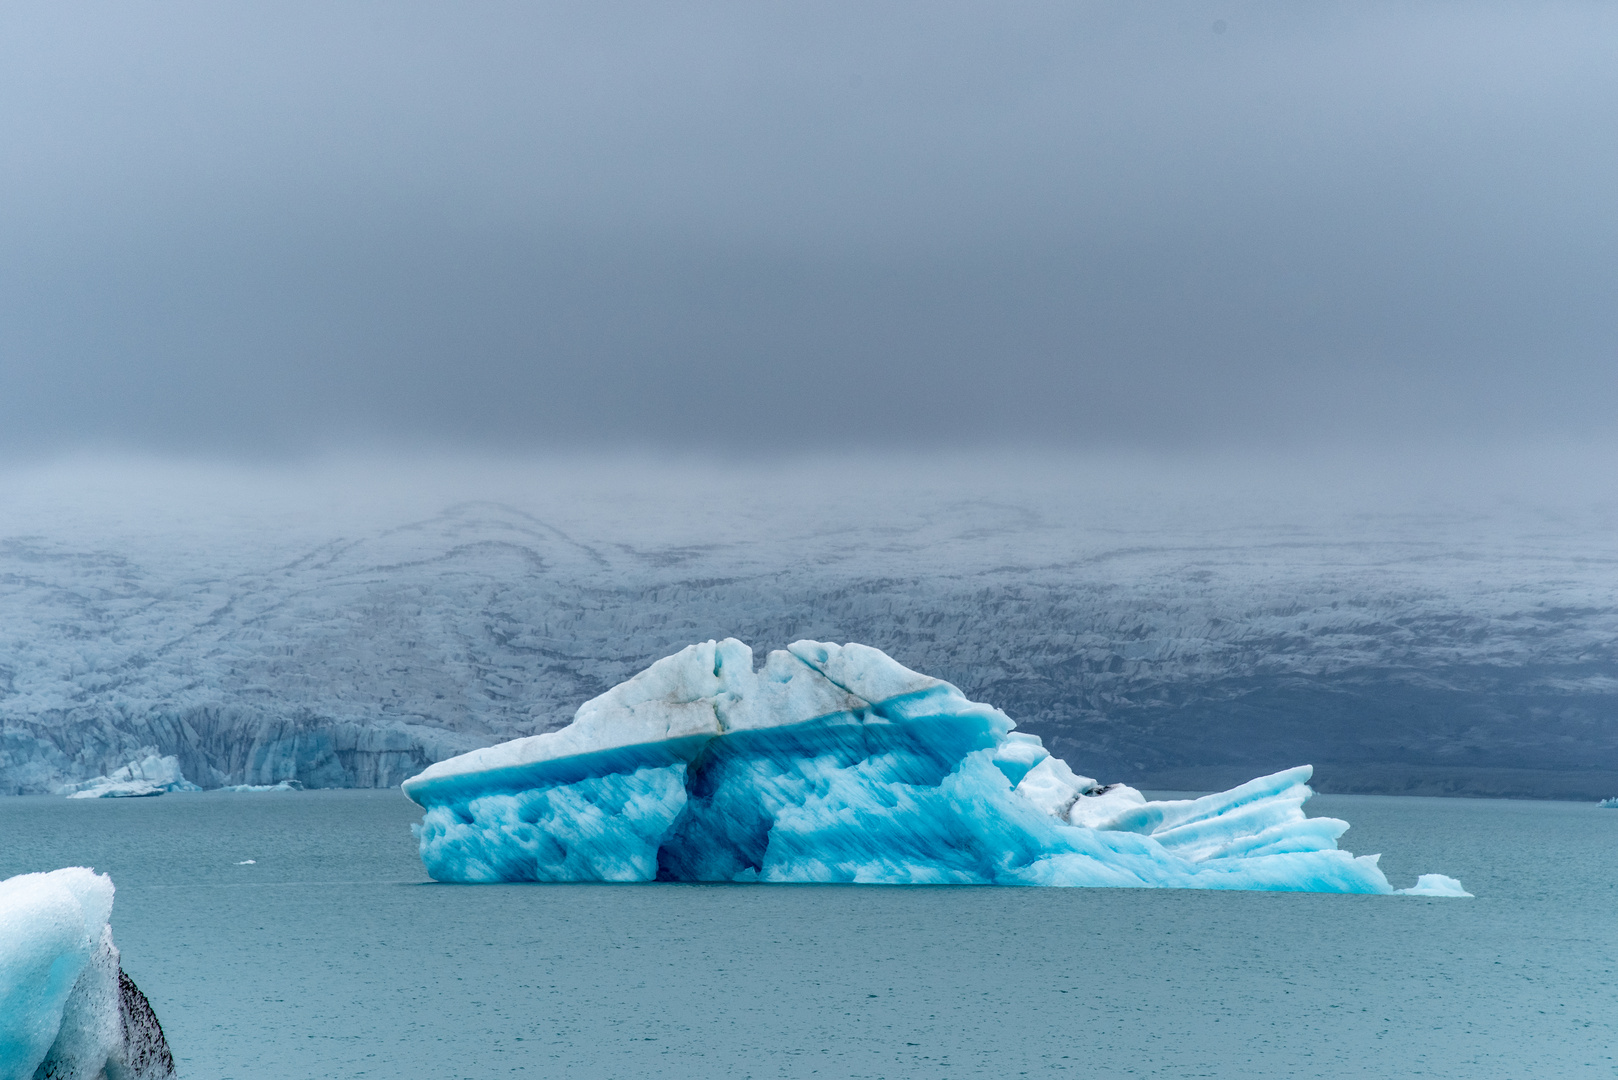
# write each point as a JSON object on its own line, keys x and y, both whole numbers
{"x": 834, "y": 763}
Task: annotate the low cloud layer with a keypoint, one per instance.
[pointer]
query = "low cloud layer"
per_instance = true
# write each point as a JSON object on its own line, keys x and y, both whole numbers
{"x": 743, "y": 228}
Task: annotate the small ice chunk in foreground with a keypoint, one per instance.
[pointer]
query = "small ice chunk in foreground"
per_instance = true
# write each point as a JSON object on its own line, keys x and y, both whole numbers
{"x": 835, "y": 763}
{"x": 66, "y": 1007}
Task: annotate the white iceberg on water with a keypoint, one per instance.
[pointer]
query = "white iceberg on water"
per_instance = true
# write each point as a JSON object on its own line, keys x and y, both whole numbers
{"x": 284, "y": 785}
{"x": 149, "y": 775}
{"x": 66, "y": 1007}
{"x": 834, "y": 763}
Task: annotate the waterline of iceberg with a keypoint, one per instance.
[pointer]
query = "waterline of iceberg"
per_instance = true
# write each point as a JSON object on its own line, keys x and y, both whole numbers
{"x": 834, "y": 763}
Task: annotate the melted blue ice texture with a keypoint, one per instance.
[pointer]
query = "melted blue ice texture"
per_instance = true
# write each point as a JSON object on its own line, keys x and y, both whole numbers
{"x": 902, "y": 793}
{"x": 898, "y": 794}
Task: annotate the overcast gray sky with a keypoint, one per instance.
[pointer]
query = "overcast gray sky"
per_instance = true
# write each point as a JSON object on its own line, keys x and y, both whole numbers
{"x": 257, "y": 229}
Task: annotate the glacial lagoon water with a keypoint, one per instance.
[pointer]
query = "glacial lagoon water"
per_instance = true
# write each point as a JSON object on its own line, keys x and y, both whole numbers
{"x": 295, "y": 935}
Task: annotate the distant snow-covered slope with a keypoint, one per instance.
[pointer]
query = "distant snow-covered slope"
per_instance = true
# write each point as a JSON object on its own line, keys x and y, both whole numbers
{"x": 350, "y": 624}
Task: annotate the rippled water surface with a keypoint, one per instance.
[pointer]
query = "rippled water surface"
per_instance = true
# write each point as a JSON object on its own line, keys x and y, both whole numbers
{"x": 330, "y": 955}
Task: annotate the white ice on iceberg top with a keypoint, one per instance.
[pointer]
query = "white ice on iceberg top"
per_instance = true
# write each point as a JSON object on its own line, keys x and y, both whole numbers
{"x": 705, "y": 689}
{"x": 836, "y": 763}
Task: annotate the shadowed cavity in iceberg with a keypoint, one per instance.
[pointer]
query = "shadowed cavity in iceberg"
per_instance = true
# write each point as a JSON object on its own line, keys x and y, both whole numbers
{"x": 834, "y": 763}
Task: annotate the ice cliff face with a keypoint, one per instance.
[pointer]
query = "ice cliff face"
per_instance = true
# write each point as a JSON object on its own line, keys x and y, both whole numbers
{"x": 832, "y": 763}
{"x": 1145, "y": 636}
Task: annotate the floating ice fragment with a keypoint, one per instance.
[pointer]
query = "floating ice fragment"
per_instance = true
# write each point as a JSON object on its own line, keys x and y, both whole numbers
{"x": 66, "y": 1007}
{"x": 144, "y": 777}
{"x": 1435, "y": 885}
{"x": 248, "y": 862}
{"x": 1610, "y": 804}
{"x": 285, "y": 785}
{"x": 834, "y": 763}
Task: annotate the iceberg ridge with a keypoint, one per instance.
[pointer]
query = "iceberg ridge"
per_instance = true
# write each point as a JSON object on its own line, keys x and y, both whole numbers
{"x": 834, "y": 763}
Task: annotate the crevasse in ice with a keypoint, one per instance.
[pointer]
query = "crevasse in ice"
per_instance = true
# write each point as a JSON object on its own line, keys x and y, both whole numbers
{"x": 66, "y": 1007}
{"x": 834, "y": 763}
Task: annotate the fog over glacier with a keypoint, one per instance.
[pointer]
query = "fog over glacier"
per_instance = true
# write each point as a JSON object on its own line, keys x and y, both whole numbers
{"x": 1400, "y": 623}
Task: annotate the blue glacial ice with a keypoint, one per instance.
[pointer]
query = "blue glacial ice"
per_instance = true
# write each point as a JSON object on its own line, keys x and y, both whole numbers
{"x": 834, "y": 763}
{"x": 66, "y": 1007}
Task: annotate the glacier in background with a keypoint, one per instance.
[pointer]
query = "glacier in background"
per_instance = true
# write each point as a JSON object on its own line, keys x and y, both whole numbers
{"x": 350, "y": 624}
{"x": 833, "y": 763}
